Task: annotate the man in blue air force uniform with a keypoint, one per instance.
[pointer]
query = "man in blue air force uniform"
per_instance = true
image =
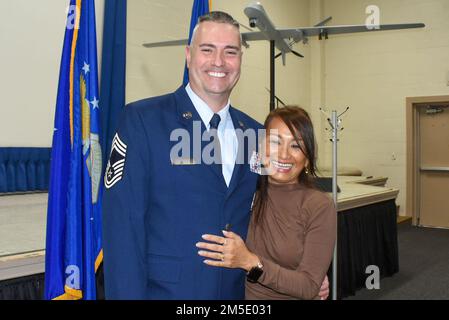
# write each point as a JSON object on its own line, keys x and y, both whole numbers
{"x": 158, "y": 202}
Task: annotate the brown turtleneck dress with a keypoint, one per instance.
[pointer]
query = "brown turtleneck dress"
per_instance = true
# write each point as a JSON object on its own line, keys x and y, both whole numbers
{"x": 294, "y": 241}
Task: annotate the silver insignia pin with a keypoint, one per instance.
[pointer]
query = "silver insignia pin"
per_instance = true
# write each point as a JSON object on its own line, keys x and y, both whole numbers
{"x": 187, "y": 115}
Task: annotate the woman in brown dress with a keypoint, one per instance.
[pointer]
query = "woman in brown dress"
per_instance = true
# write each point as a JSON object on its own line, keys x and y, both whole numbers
{"x": 292, "y": 230}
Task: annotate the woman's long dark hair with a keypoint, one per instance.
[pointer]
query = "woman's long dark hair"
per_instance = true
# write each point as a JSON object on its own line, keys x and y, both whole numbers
{"x": 300, "y": 125}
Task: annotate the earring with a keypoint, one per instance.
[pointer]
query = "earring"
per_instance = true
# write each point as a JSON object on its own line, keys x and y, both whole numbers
{"x": 307, "y": 170}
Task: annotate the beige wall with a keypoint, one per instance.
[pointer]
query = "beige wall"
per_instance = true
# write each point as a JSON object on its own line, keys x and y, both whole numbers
{"x": 31, "y": 37}
{"x": 371, "y": 73}
{"x": 374, "y": 73}
{"x": 159, "y": 70}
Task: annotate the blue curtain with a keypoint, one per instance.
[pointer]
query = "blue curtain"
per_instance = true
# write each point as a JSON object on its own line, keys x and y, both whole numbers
{"x": 113, "y": 71}
{"x": 24, "y": 169}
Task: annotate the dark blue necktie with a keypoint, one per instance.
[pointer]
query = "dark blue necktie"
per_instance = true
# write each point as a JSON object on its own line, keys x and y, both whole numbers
{"x": 214, "y": 122}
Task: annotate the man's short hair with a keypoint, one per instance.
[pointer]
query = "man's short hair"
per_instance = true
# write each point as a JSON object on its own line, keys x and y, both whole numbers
{"x": 219, "y": 17}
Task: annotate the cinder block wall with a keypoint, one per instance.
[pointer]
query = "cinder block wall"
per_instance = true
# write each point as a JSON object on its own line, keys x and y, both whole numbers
{"x": 31, "y": 37}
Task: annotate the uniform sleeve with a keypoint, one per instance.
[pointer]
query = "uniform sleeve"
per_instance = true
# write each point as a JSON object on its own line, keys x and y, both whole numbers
{"x": 125, "y": 206}
{"x": 305, "y": 281}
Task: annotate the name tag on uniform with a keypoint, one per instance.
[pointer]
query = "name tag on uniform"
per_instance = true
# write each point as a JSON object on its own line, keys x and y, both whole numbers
{"x": 183, "y": 161}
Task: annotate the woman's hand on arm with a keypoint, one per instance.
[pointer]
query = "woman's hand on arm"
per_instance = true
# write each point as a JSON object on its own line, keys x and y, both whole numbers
{"x": 229, "y": 251}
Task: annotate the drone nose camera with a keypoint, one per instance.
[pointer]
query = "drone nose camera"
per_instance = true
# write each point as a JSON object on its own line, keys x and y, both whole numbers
{"x": 252, "y": 22}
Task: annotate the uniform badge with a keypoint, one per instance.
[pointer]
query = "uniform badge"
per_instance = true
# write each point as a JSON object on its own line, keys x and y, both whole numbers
{"x": 114, "y": 169}
{"x": 187, "y": 115}
{"x": 182, "y": 161}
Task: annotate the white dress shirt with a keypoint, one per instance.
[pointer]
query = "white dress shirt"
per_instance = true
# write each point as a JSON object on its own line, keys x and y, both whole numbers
{"x": 226, "y": 132}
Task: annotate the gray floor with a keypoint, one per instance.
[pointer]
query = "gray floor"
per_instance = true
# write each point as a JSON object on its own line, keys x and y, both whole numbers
{"x": 423, "y": 252}
{"x": 22, "y": 223}
{"x": 423, "y": 267}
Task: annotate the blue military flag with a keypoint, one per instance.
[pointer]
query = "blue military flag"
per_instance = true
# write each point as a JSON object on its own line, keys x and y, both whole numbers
{"x": 199, "y": 8}
{"x": 73, "y": 243}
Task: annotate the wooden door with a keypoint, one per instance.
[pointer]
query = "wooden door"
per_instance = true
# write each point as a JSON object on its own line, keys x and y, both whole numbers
{"x": 433, "y": 162}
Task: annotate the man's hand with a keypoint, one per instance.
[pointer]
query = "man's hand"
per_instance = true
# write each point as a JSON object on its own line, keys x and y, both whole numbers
{"x": 324, "y": 290}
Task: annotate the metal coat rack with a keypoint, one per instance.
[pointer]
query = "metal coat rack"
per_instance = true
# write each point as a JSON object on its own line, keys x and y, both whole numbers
{"x": 334, "y": 120}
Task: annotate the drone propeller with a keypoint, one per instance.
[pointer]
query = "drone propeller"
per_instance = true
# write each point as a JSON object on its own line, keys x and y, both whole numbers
{"x": 297, "y": 54}
{"x": 294, "y": 52}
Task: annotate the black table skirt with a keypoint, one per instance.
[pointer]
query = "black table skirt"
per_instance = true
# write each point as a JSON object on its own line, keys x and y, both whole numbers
{"x": 32, "y": 287}
{"x": 366, "y": 236}
{"x": 24, "y": 288}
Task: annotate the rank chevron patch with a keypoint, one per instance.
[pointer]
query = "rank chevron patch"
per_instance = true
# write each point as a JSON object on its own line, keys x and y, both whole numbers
{"x": 116, "y": 163}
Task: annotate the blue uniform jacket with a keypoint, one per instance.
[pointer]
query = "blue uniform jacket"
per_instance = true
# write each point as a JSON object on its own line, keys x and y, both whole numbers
{"x": 155, "y": 209}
